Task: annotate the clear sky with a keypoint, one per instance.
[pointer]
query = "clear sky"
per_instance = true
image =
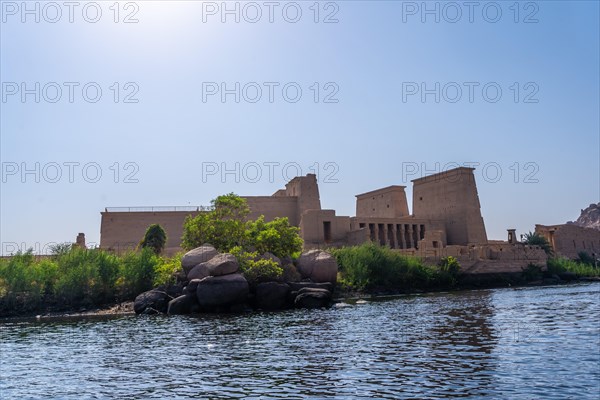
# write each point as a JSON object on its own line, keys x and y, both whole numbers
{"x": 365, "y": 93}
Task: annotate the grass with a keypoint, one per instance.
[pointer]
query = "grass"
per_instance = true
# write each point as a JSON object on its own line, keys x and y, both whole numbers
{"x": 80, "y": 278}
{"x": 581, "y": 269}
{"x": 370, "y": 266}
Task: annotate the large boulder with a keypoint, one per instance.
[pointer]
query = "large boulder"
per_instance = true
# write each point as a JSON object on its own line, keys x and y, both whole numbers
{"x": 318, "y": 266}
{"x": 191, "y": 287}
{"x": 221, "y": 264}
{"x": 196, "y": 256}
{"x": 271, "y": 295}
{"x": 199, "y": 271}
{"x": 151, "y": 302}
{"x": 220, "y": 291}
{"x": 313, "y": 298}
{"x": 296, "y": 286}
{"x": 183, "y": 304}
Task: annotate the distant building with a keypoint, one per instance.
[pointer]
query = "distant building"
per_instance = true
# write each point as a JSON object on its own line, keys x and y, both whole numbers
{"x": 446, "y": 220}
{"x": 568, "y": 240}
{"x": 446, "y": 212}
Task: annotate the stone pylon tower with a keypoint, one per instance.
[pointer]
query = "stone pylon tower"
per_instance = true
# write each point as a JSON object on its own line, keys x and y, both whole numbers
{"x": 451, "y": 196}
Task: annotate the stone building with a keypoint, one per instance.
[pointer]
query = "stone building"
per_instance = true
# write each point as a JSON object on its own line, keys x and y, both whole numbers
{"x": 568, "y": 240}
{"x": 446, "y": 220}
{"x": 446, "y": 212}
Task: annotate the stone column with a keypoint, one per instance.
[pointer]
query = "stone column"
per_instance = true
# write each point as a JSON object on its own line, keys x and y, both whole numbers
{"x": 394, "y": 238}
{"x": 400, "y": 235}
{"x": 376, "y": 230}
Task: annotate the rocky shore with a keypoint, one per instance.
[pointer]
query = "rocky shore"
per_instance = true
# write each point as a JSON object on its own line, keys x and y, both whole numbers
{"x": 212, "y": 282}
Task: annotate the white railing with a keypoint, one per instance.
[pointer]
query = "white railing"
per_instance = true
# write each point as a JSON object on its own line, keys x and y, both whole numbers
{"x": 158, "y": 209}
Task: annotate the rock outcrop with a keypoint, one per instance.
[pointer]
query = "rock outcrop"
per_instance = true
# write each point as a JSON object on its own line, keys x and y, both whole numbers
{"x": 184, "y": 304}
{"x": 589, "y": 218}
{"x": 197, "y": 256}
{"x": 221, "y": 291}
{"x": 313, "y": 298}
{"x": 318, "y": 266}
{"x": 271, "y": 295}
{"x": 151, "y": 302}
{"x": 212, "y": 282}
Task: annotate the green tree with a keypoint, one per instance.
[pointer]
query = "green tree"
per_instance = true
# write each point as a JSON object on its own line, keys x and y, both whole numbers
{"x": 277, "y": 237}
{"x": 534, "y": 239}
{"x": 154, "y": 238}
{"x": 224, "y": 226}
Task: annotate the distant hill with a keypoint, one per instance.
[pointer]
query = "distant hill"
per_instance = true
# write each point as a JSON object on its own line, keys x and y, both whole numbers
{"x": 589, "y": 218}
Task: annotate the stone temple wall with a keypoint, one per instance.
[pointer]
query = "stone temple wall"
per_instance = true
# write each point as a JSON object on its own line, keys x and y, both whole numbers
{"x": 452, "y": 197}
{"x": 568, "y": 240}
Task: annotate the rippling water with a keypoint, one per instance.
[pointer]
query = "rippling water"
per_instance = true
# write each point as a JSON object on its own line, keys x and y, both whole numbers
{"x": 506, "y": 343}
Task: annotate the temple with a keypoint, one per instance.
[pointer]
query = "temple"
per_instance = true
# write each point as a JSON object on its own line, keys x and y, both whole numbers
{"x": 446, "y": 220}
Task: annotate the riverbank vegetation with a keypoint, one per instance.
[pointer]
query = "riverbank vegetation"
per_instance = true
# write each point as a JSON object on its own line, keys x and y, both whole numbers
{"x": 582, "y": 267}
{"x": 75, "y": 278}
{"x": 371, "y": 267}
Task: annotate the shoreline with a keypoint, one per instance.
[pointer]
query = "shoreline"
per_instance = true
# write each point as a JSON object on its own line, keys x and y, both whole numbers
{"x": 341, "y": 296}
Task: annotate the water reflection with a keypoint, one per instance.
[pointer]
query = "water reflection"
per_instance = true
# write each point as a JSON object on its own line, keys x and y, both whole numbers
{"x": 525, "y": 343}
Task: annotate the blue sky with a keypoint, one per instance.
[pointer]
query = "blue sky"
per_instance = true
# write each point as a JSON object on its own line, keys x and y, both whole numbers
{"x": 366, "y": 126}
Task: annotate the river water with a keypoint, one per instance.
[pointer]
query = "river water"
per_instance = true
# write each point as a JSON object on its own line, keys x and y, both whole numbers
{"x": 524, "y": 343}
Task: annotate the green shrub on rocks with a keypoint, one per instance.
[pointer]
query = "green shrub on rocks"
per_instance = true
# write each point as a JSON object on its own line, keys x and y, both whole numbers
{"x": 255, "y": 268}
{"x": 277, "y": 237}
{"x": 226, "y": 227}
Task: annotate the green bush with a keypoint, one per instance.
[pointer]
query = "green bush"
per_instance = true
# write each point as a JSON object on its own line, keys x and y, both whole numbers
{"x": 166, "y": 270}
{"x": 86, "y": 276}
{"x": 450, "y": 265}
{"x": 559, "y": 265}
{"x": 76, "y": 277}
{"x": 256, "y": 269}
{"x": 369, "y": 265}
{"x": 136, "y": 273}
{"x": 226, "y": 228}
{"x": 277, "y": 237}
{"x": 26, "y": 281}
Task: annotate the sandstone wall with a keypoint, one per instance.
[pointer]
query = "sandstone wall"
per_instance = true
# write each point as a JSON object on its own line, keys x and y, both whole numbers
{"x": 323, "y": 226}
{"x": 274, "y": 207}
{"x": 121, "y": 231}
{"x": 451, "y": 196}
{"x": 389, "y": 202}
{"x": 568, "y": 240}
